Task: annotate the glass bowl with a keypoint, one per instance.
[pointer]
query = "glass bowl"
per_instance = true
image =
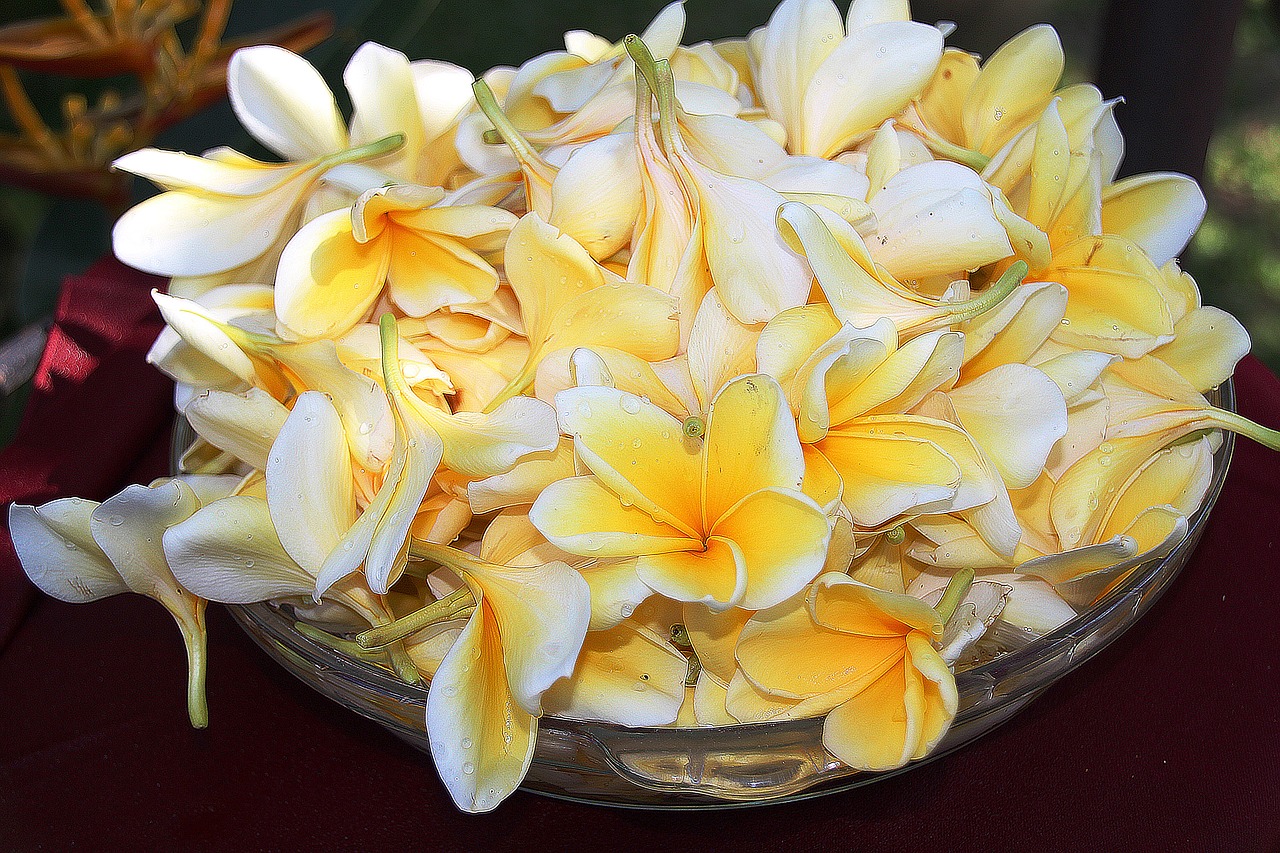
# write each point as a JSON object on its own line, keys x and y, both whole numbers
{"x": 747, "y": 764}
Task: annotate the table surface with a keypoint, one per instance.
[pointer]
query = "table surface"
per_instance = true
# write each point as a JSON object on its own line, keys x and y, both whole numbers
{"x": 1166, "y": 740}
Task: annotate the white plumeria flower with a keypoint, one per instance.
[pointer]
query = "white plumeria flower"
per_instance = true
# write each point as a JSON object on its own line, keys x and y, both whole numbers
{"x": 223, "y": 210}
{"x": 80, "y": 551}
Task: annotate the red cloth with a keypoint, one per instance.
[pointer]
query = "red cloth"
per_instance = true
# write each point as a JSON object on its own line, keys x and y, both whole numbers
{"x": 1167, "y": 740}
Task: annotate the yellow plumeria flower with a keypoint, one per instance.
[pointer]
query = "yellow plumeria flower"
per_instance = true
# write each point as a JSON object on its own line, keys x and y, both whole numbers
{"x": 430, "y": 256}
{"x": 524, "y": 630}
{"x": 863, "y": 657}
{"x": 719, "y": 521}
{"x": 860, "y": 292}
{"x": 567, "y": 300}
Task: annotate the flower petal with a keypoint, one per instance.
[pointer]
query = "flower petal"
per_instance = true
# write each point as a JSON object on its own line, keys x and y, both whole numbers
{"x": 751, "y": 444}
{"x": 783, "y": 537}
{"x": 59, "y": 554}
{"x": 244, "y": 425}
{"x": 283, "y": 101}
{"x": 637, "y": 450}
{"x": 716, "y": 576}
{"x": 1158, "y": 211}
{"x": 481, "y": 740}
{"x": 327, "y": 281}
{"x": 309, "y": 482}
{"x": 869, "y": 77}
{"x": 626, "y": 675}
{"x": 228, "y": 551}
{"x": 583, "y": 517}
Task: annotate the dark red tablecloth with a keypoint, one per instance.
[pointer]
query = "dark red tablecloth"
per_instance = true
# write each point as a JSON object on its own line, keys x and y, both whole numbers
{"x": 1167, "y": 740}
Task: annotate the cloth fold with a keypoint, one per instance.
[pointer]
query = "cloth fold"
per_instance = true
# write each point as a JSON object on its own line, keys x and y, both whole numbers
{"x": 98, "y": 416}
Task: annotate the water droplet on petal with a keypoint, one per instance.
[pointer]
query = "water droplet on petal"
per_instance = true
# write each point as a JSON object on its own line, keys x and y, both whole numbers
{"x": 468, "y": 768}
{"x": 116, "y": 521}
{"x": 466, "y": 743}
{"x": 630, "y": 404}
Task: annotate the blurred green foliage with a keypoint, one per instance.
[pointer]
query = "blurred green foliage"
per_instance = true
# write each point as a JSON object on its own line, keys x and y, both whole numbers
{"x": 1236, "y": 255}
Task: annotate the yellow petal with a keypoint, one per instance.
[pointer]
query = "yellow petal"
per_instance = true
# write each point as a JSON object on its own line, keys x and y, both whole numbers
{"x": 870, "y": 76}
{"x": 800, "y": 35}
{"x": 327, "y": 281}
{"x": 714, "y": 635}
{"x": 1016, "y": 414}
{"x": 1158, "y": 211}
{"x": 750, "y": 444}
{"x": 716, "y": 577}
{"x": 482, "y": 741}
{"x": 427, "y": 272}
{"x": 1013, "y": 86}
{"x": 581, "y": 516}
{"x": 720, "y": 348}
{"x": 245, "y": 425}
{"x": 523, "y": 483}
{"x": 1207, "y": 344}
{"x": 626, "y": 675}
{"x": 887, "y": 475}
{"x": 878, "y": 728}
{"x": 758, "y": 525}
{"x": 842, "y": 604}
{"x": 637, "y": 450}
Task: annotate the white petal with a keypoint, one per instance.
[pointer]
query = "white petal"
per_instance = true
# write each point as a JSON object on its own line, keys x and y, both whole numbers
{"x": 244, "y": 425}
{"x": 284, "y": 102}
{"x": 59, "y": 554}
{"x": 309, "y": 482}
{"x": 228, "y": 551}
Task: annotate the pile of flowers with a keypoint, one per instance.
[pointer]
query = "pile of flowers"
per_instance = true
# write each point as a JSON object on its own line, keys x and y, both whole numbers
{"x": 665, "y": 385}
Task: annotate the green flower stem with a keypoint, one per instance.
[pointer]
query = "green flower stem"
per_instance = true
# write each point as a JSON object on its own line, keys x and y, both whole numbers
{"x": 449, "y": 607}
{"x": 1241, "y": 425}
{"x": 992, "y": 296}
{"x": 403, "y": 666}
{"x": 657, "y": 75}
{"x": 197, "y": 645}
{"x": 518, "y": 383}
{"x": 350, "y": 648}
{"x": 975, "y": 160}
{"x": 515, "y": 140}
{"x": 954, "y": 594}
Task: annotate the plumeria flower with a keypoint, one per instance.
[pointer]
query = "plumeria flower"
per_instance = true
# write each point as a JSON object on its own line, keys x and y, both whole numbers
{"x": 830, "y": 82}
{"x": 863, "y": 657}
{"x": 80, "y": 551}
{"x": 524, "y": 629}
{"x": 567, "y": 300}
{"x": 705, "y": 518}
{"x": 224, "y": 210}
{"x": 430, "y": 257}
{"x": 860, "y": 292}
{"x": 426, "y": 435}
{"x": 702, "y": 227}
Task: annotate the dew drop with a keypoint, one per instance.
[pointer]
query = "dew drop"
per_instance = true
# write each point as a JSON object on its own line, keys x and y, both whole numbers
{"x": 1106, "y": 447}
{"x": 636, "y": 443}
{"x": 466, "y": 743}
{"x": 468, "y": 768}
{"x": 248, "y": 564}
{"x": 584, "y": 409}
{"x": 627, "y": 609}
{"x": 1104, "y": 461}
{"x": 365, "y": 428}
{"x": 630, "y": 404}
{"x": 116, "y": 521}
